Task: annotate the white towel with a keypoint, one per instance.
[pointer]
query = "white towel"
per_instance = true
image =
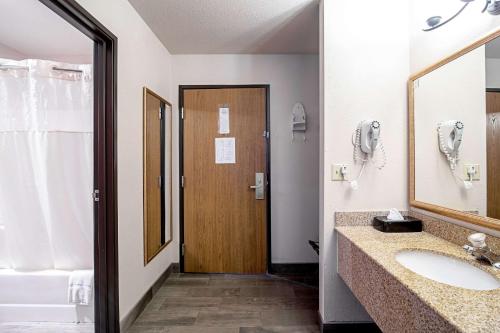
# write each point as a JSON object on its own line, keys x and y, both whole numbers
{"x": 80, "y": 287}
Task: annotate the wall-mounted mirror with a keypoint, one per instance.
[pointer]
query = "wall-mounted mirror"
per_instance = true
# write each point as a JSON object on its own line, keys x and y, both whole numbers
{"x": 157, "y": 161}
{"x": 455, "y": 135}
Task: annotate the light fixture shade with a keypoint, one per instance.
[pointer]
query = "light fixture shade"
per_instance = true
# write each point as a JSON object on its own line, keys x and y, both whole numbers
{"x": 433, "y": 21}
{"x": 494, "y": 7}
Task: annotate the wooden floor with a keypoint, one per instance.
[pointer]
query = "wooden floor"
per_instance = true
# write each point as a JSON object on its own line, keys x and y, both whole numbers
{"x": 218, "y": 303}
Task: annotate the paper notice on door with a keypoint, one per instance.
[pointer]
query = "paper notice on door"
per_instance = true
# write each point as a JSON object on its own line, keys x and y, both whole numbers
{"x": 225, "y": 150}
{"x": 224, "y": 120}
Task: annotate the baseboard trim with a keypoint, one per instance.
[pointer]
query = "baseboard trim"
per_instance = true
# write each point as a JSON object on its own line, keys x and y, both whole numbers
{"x": 132, "y": 315}
{"x": 294, "y": 268}
{"x": 347, "y": 327}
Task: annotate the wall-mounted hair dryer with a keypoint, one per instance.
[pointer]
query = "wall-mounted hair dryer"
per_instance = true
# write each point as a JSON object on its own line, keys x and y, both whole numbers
{"x": 367, "y": 144}
{"x": 369, "y": 136}
{"x": 450, "y": 134}
{"x": 450, "y": 138}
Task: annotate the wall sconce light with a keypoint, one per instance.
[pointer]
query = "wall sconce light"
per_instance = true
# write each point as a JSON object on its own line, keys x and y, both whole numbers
{"x": 434, "y": 22}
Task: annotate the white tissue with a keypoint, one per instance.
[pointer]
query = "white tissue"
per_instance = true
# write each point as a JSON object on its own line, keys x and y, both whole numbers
{"x": 394, "y": 215}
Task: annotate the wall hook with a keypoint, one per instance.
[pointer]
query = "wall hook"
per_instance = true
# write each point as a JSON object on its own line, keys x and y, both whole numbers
{"x": 299, "y": 120}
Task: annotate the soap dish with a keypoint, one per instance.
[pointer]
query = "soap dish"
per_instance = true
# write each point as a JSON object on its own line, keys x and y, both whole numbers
{"x": 409, "y": 224}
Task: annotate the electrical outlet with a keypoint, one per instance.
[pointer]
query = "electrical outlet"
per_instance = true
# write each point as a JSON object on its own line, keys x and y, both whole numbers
{"x": 337, "y": 172}
{"x": 473, "y": 170}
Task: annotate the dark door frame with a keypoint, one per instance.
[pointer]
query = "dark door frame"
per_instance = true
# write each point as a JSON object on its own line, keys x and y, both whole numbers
{"x": 105, "y": 168}
{"x": 182, "y": 88}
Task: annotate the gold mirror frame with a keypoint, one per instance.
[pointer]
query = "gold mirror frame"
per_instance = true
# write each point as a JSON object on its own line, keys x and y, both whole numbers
{"x": 467, "y": 217}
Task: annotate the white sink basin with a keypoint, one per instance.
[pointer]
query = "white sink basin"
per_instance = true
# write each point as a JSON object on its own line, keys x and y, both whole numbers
{"x": 444, "y": 269}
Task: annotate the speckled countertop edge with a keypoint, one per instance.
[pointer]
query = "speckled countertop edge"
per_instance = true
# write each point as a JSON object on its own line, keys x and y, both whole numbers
{"x": 468, "y": 310}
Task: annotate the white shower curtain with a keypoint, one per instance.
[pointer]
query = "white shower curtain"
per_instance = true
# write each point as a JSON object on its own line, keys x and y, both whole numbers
{"x": 46, "y": 165}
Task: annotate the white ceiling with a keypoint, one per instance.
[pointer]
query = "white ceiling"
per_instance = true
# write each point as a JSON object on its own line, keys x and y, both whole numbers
{"x": 34, "y": 31}
{"x": 233, "y": 26}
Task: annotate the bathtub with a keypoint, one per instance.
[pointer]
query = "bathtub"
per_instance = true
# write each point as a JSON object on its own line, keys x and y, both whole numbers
{"x": 40, "y": 296}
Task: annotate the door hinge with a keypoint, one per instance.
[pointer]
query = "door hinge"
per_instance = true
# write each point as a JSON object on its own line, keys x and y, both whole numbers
{"x": 159, "y": 181}
{"x": 160, "y": 114}
{"x": 183, "y": 249}
{"x": 182, "y": 181}
{"x": 266, "y": 134}
{"x": 182, "y": 113}
{"x": 95, "y": 195}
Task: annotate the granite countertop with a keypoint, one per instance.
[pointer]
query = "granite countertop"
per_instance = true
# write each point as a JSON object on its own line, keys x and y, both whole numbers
{"x": 467, "y": 310}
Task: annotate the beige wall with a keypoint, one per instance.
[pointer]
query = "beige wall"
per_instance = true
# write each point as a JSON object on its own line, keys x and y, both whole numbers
{"x": 455, "y": 91}
{"x": 294, "y": 166}
{"x": 142, "y": 61}
{"x": 365, "y": 61}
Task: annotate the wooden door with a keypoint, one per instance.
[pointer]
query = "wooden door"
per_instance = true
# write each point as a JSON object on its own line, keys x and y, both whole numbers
{"x": 224, "y": 223}
{"x": 493, "y": 153}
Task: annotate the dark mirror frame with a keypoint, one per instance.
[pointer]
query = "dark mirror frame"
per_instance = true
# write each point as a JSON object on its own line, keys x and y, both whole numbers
{"x": 445, "y": 211}
{"x": 105, "y": 162}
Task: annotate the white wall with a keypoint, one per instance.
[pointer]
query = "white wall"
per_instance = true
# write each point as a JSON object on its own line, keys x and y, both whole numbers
{"x": 142, "y": 61}
{"x": 455, "y": 91}
{"x": 365, "y": 56}
{"x": 492, "y": 73}
{"x": 293, "y": 78}
{"x": 430, "y": 47}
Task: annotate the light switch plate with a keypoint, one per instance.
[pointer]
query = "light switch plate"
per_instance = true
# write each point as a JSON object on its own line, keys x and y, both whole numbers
{"x": 336, "y": 172}
{"x": 474, "y": 167}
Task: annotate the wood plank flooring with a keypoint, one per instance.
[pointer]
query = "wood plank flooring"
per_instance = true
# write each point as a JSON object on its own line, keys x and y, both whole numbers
{"x": 221, "y": 303}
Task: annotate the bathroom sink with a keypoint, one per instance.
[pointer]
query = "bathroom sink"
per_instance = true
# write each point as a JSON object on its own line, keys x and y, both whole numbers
{"x": 444, "y": 269}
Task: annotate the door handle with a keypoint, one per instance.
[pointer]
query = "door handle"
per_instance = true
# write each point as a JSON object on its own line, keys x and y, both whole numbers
{"x": 259, "y": 186}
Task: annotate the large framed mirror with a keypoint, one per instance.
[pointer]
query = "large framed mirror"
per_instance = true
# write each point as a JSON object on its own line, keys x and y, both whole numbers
{"x": 454, "y": 122}
{"x": 157, "y": 161}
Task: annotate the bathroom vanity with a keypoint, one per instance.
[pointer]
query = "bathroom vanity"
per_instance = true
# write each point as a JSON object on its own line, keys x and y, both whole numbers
{"x": 401, "y": 300}
{"x": 427, "y": 281}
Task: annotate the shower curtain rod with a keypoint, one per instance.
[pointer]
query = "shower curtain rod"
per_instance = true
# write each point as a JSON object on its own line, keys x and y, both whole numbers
{"x": 7, "y": 67}
{"x": 66, "y": 69}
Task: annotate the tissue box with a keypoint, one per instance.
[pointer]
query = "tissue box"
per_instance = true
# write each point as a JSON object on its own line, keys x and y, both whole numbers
{"x": 409, "y": 224}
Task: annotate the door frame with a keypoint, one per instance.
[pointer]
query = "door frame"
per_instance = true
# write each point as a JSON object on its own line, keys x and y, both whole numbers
{"x": 183, "y": 88}
{"x": 105, "y": 161}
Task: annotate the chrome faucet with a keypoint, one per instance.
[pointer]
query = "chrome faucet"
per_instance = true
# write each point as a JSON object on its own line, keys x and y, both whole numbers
{"x": 481, "y": 251}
